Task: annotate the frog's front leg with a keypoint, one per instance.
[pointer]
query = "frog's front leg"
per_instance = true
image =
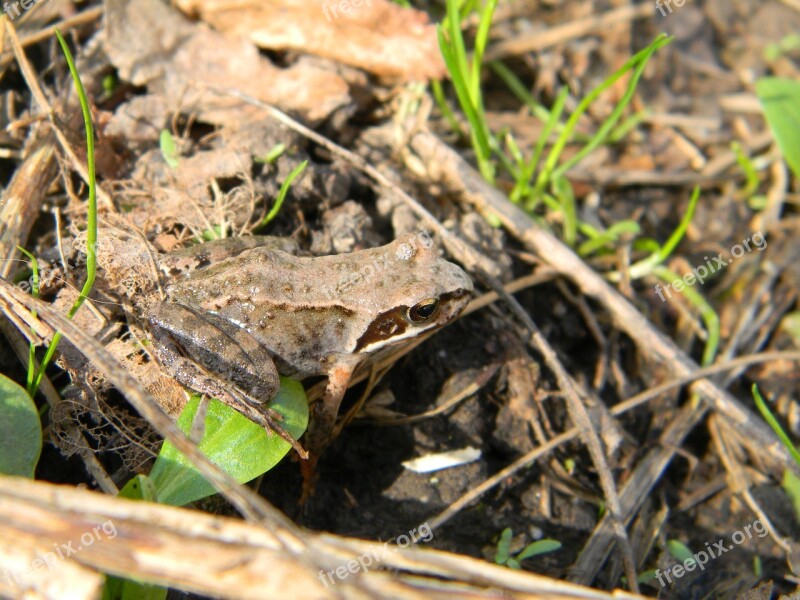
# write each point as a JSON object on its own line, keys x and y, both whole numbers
{"x": 215, "y": 357}
{"x": 321, "y": 426}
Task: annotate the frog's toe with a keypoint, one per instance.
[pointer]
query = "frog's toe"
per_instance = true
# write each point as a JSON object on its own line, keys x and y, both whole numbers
{"x": 309, "y": 470}
{"x": 270, "y": 421}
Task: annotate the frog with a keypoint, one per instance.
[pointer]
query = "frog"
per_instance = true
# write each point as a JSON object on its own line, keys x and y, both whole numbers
{"x": 240, "y": 312}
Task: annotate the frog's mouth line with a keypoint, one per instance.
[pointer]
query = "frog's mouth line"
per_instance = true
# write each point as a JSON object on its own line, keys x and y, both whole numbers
{"x": 393, "y": 325}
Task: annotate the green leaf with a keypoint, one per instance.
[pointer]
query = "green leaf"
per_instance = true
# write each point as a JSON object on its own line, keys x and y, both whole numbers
{"x": 781, "y": 101}
{"x": 749, "y": 168}
{"x": 141, "y": 487}
{"x": 539, "y": 547}
{"x": 91, "y": 211}
{"x": 169, "y": 149}
{"x": 502, "y": 546}
{"x": 270, "y": 157}
{"x": 679, "y": 551}
{"x": 599, "y": 240}
{"x": 791, "y": 484}
{"x": 758, "y": 567}
{"x": 215, "y": 233}
{"x": 648, "y": 265}
{"x": 282, "y": 194}
{"x": 20, "y": 430}
{"x": 466, "y": 80}
{"x": 238, "y": 446}
{"x": 32, "y": 347}
{"x": 117, "y": 588}
{"x": 110, "y": 83}
{"x": 636, "y": 65}
{"x": 646, "y": 576}
{"x": 766, "y": 413}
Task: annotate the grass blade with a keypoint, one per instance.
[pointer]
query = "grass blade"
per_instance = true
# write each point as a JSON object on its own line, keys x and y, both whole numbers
{"x": 91, "y": 225}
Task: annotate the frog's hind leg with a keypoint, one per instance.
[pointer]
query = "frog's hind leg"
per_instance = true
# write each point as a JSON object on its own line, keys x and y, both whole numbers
{"x": 214, "y": 357}
{"x": 184, "y": 262}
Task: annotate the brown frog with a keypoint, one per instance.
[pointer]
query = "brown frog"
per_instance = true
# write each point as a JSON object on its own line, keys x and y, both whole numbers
{"x": 249, "y": 309}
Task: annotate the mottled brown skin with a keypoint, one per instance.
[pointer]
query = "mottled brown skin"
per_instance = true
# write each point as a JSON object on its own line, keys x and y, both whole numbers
{"x": 229, "y": 327}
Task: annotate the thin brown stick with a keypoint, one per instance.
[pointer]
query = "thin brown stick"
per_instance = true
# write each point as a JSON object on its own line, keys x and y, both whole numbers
{"x": 227, "y": 558}
{"x": 579, "y": 416}
{"x": 82, "y": 18}
{"x": 539, "y": 40}
{"x": 472, "y": 388}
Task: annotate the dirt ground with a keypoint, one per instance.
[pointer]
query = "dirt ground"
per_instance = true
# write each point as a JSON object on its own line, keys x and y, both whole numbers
{"x": 694, "y": 468}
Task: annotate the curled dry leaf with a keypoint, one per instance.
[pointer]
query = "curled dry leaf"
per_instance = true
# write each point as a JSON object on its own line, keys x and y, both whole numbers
{"x": 375, "y": 35}
{"x": 153, "y": 45}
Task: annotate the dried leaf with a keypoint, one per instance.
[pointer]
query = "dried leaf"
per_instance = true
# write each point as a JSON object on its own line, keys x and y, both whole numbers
{"x": 375, "y": 35}
{"x": 153, "y": 45}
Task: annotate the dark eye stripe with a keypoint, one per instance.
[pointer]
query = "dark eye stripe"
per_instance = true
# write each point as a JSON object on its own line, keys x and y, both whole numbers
{"x": 387, "y": 325}
{"x": 394, "y": 322}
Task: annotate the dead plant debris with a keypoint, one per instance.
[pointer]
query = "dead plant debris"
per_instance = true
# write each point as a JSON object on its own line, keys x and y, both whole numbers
{"x": 547, "y": 387}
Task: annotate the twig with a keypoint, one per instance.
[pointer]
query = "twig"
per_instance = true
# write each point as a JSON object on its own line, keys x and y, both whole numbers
{"x": 580, "y": 417}
{"x": 472, "y": 388}
{"x": 221, "y": 557}
{"x": 539, "y": 40}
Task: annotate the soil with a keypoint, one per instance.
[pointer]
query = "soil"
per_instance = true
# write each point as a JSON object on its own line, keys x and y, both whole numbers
{"x": 698, "y": 98}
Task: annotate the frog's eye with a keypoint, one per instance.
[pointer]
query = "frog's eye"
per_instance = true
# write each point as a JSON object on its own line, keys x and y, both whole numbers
{"x": 422, "y": 311}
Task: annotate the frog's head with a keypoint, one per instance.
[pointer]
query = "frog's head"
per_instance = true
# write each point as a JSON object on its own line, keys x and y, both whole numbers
{"x": 419, "y": 292}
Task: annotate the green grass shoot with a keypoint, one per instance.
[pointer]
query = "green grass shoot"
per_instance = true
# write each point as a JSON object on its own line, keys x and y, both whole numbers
{"x": 282, "y": 194}
{"x": 91, "y": 226}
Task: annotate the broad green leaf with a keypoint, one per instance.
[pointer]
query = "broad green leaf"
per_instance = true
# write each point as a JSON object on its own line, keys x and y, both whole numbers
{"x": 781, "y": 101}
{"x": 539, "y": 547}
{"x": 20, "y": 430}
{"x": 238, "y": 446}
{"x": 118, "y": 588}
{"x": 141, "y": 487}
